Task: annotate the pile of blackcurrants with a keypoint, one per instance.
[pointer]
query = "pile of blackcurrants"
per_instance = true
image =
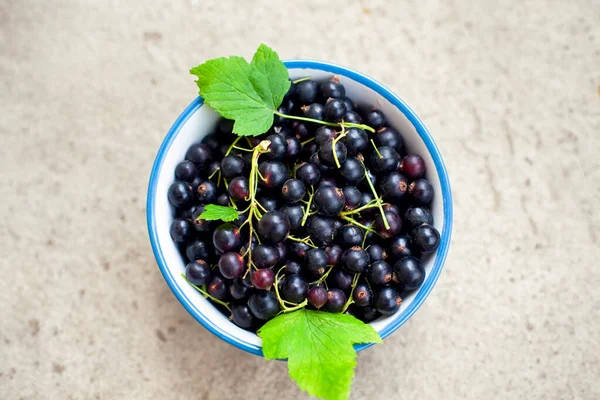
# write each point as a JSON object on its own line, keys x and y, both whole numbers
{"x": 331, "y": 217}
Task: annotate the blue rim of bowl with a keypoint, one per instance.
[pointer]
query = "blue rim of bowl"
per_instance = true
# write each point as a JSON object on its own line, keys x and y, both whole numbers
{"x": 423, "y": 132}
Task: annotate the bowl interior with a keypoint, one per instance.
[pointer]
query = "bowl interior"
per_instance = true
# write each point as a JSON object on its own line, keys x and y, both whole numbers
{"x": 197, "y": 121}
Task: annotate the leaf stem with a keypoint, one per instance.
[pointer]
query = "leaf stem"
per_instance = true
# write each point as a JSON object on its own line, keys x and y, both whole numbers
{"x": 385, "y": 221}
{"x": 307, "y": 209}
{"x": 237, "y": 139}
{"x": 316, "y": 121}
{"x": 306, "y": 78}
{"x": 350, "y": 299}
{"x": 376, "y": 149}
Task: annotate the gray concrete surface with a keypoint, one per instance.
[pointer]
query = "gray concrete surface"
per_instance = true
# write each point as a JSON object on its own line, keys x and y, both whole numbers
{"x": 510, "y": 90}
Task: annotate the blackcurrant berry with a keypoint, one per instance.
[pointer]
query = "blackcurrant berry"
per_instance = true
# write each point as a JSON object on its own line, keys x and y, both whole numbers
{"x": 334, "y": 254}
{"x": 329, "y": 200}
{"x": 339, "y": 279}
{"x": 412, "y": 166}
{"x": 273, "y": 227}
{"x": 350, "y": 235}
{"x": 181, "y": 230}
{"x": 307, "y": 91}
{"x": 334, "y": 111}
{"x": 293, "y": 149}
{"x": 294, "y": 289}
{"x": 362, "y": 295}
{"x": 375, "y": 119}
{"x": 200, "y": 224}
{"x": 379, "y": 273}
{"x": 239, "y": 189}
{"x": 393, "y": 187}
{"x": 385, "y": 160}
{"x": 352, "y": 198}
{"x": 355, "y": 260}
{"x": 352, "y": 117}
{"x": 400, "y": 247}
{"x": 217, "y": 287}
{"x": 226, "y": 238}
{"x": 391, "y": 138}
{"x": 263, "y": 305}
{"x": 207, "y": 192}
{"x": 409, "y": 273}
{"x": 332, "y": 88}
{"x": 274, "y": 174}
{"x": 186, "y": 171}
{"x": 425, "y": 238}
{"x": 394, "y": 222}
{"x": 321, "y": 230}
{"x": 232, "y": 166}
{"x": 336, "y": 299}
{"x": 231, "y": 265}
{"x": 317, "y": 297}
{"x": 292, "y": 267}
{"x": 180, "y": 194}
{"x": 415, "y": 216}
{"x": 295, "y": 214}
{"x": 277, "y": 147}
{"x": 352, "y": 170}
{"x": 241, "y": 316}
{"x": 293, "y": 190}
{"x": 326, "y": 153}
{"x": 316, "y": 261}
{"x": 197, "y": 272}
{"x": 366, "y": 314}
{"x": 376, "y": 252}
{"x": 238, "y": 289}
{"x": 356, "y": 140}
{"x": 198, "y": 250}
{"x": 421, "y": 191}
{"x": 264, "y": 256}
{"x": 313, "y": 111}
{"x": 199, "y": 154}
{"x": 308, "y": 173}
{"x": 388, "y": 301}
{"x": 263, "y": 279}
{"x": 324, "y": 134}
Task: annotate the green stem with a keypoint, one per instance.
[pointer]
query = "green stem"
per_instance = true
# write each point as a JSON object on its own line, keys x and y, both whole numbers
{"x": 307, "y": 208}
{"x": 376, "y": 149}
{"x": 282, "y": 302}
{"x": 354, "y": 222}
{"x": 385, "y": 221}
{"x": 307, "y": 141}
{"x": 306, "y": 78}
{"x": 206, "y": 295}
{"x": 316, "y": 121}
{"x": 214, "y": 172}
{"x": 367, "y": 233}
{"x": 350, "y": 299}
{"x": 306, "y": 241}
{"x": 237, "y": 139}
{"x": 333, "y": 143}
{"x": 371, "y": 204}
{"x": 323, "y": 277}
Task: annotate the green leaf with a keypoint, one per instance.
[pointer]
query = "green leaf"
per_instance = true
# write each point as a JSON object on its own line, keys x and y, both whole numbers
{"x": 246, "y": 93}
{"x": 271, "y": 76}
{"x": 213, "y": 212}
{"x": 318, "y": 346}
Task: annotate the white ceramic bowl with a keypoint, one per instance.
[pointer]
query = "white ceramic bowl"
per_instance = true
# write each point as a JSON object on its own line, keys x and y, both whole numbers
{"x": 198, "y": 120}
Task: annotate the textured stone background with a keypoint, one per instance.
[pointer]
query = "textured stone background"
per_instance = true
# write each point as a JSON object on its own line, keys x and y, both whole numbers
{"x": 510, "y": 90}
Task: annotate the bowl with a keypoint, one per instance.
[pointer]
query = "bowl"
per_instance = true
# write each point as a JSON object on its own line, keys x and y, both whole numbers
{"x": 198, "y": 120}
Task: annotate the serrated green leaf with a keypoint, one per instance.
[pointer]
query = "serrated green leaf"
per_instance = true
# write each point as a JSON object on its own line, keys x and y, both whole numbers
{"x": 319, "y": 349}
{"x": 214, "y": 212}
{"x": 246, "y": 93}
{"x": 271, "y": 78}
